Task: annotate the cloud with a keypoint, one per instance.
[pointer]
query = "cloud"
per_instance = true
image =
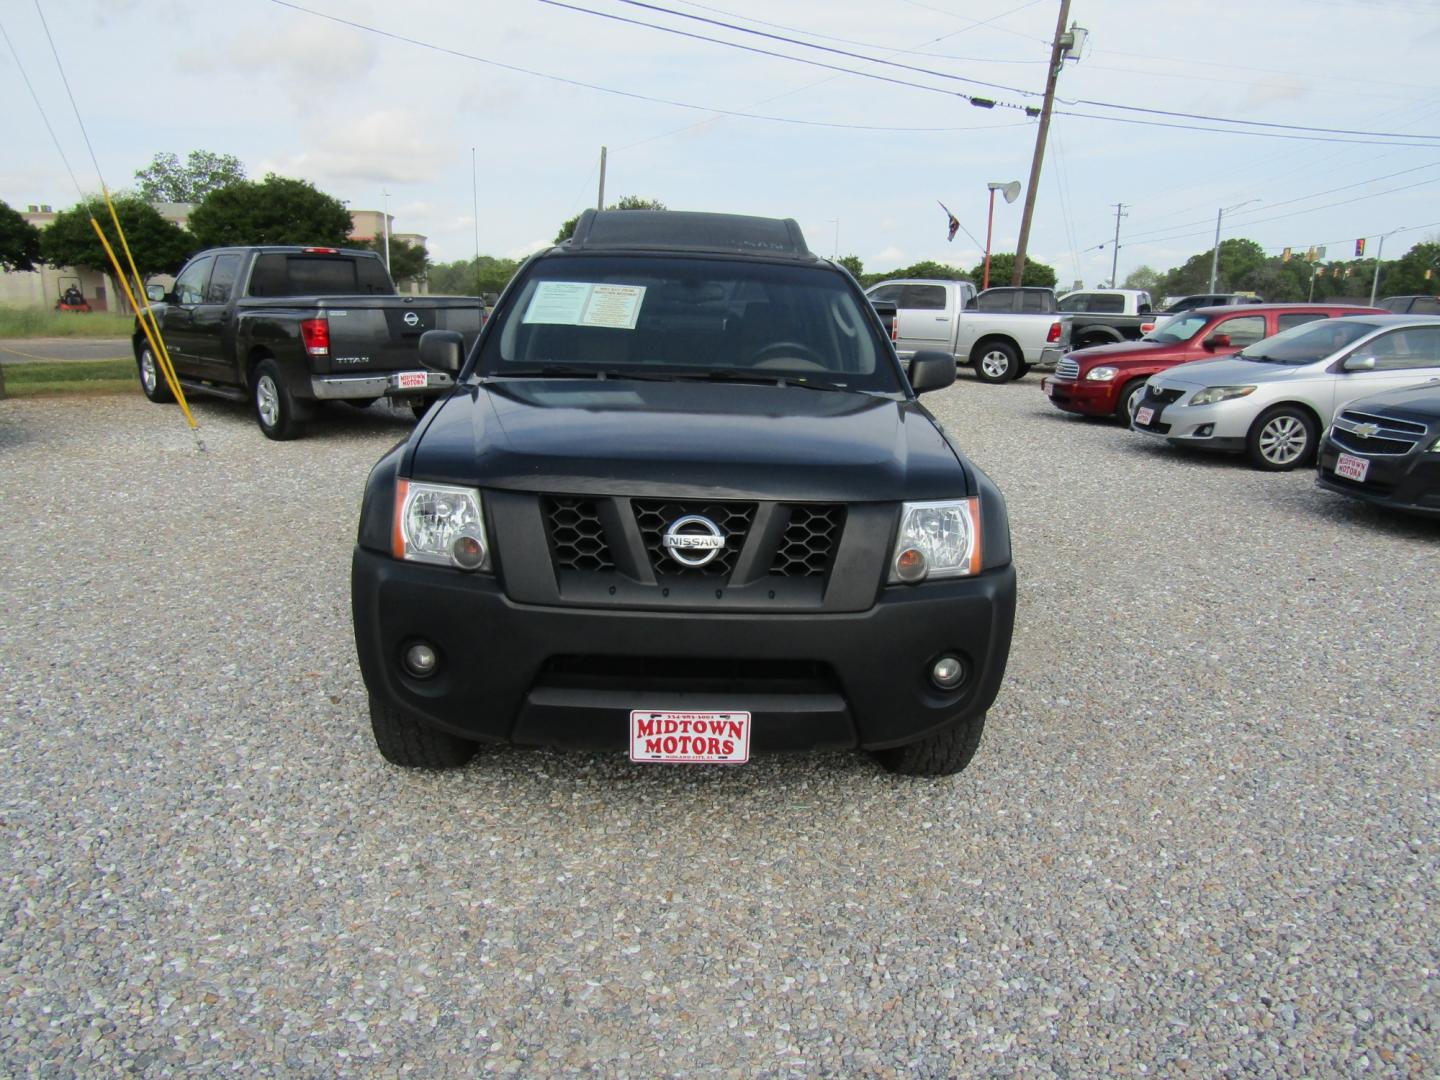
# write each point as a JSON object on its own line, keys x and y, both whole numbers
{"x": 308, "y": 54}
{"x": 378, "y": 148}
{"x": 891, "y": 254}
{"x": 527, "y": 249}
{"x": 1273, "y": 88}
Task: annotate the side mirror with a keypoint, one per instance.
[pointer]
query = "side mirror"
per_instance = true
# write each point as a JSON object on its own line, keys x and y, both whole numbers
{"x": 931, "y": 370}
{"x": 1217, "y": 341}
{"x": 155, "y": 293}
{"x": 1360, "y": 363}
{"x": 442, "y": 350}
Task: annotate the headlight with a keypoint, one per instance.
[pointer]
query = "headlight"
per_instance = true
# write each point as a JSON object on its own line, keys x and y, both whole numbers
{"x": 1435, "y": 449}
{"x": 437, "y": 523}
{"x": 1103, "y": 373}
{"x": 1212, "y": 394}
{"x": 936, "y": 540}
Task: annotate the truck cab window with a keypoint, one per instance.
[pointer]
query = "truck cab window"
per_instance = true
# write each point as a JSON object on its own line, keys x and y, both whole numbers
{"x": 190, "y": 285}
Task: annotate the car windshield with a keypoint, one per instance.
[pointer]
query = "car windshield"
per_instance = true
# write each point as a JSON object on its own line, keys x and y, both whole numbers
{"x": 1180, "y": 328}
{"x": 643, "y": 316}
{"x": 1308, "y": 342}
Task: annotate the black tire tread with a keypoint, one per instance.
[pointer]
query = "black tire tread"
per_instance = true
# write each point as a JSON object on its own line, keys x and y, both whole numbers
{"x": 293, "y": 414}
{"x": 1134, "y": 385}
{"x": 944, "y": 753}
{"x": 1252, "y": 439}
{"x": 1011, "y": 372}
{"x": 162, "y": 394}
{"x": 409, "y": 743}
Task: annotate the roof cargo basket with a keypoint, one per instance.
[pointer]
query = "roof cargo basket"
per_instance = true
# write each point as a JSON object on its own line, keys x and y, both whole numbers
{"x": 681, "y": 230}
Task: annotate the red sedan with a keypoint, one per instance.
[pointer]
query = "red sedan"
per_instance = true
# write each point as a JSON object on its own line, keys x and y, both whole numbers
{"x": 1107, "y": 380}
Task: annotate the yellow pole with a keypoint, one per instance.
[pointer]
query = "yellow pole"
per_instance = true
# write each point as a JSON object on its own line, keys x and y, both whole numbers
{"x": 151, "y": 332}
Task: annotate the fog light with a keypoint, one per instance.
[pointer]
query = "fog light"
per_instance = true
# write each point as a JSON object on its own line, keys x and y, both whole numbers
{"x": 1204, "y": 431}
{"x": 910, "y": 565}
{"x": 467, "y": 551}
{"x": 948, "y": 672}
{"x": 421, "y": 660}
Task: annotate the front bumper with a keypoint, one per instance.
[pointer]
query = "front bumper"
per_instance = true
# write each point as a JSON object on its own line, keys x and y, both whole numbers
{"x": 570, "y": 676}
{"x": 1080, "y": 396}
{"x": 1409, "y": 482}
{"x": 1221, "y": 426}
{"x": 381, "y": 384}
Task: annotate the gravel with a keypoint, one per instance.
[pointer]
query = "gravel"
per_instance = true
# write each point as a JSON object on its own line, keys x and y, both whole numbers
{"x": 1200, "y": 835}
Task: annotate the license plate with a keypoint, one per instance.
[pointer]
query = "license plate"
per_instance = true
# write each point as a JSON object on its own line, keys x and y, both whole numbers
{"x": 412, "y": 380}
{"x": 690, "y": 738}
{"x": 1352, "y": 467}
{"x": 1144, "y": 416}
{"x": 1050, "y": 389}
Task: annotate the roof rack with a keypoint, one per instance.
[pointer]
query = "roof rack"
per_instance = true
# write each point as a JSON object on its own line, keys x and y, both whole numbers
{"x": 683, "y": 230}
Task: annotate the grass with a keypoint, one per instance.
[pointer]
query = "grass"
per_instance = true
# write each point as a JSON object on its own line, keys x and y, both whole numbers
{"x": 38, "y": 322}
{"x": 69, "y": 377}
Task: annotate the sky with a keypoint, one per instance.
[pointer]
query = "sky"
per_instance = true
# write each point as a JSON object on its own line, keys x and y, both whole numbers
{"x": 475, "y": 110}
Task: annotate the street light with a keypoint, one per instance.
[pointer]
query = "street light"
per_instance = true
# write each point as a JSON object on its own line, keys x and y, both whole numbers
{"x": 1011, "y": 191}
{"x": 1215, "y": 255}
{"x": 1380, "y": 250}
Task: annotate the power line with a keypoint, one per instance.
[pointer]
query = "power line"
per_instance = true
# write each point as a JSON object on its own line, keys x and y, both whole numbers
{"x": 43, "y": 115}
{"x": 1240, "y": 131}
{"x": 632, "y": 95}
{"x": 646, "y": 6}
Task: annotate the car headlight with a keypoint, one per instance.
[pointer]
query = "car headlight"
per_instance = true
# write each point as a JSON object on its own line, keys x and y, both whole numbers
{"x": 437, "y": 523}
{"x": 1212, "y": 394}
{"x": 1435, "y": 448}
{"x": 1103, "y": 373}
{"x": 936, "y": 540}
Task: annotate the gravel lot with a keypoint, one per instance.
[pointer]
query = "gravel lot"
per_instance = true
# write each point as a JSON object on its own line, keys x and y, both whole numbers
{"x": 1200, "y": 835}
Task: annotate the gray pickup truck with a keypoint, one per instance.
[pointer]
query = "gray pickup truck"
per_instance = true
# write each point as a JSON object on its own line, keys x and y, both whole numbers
{"x": 950, "y": 316}
{"x": 288, "y": 327}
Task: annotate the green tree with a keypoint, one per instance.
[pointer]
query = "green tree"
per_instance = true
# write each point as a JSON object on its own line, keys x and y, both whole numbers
{"x": 1240, "y": 264}
{"x": 485, "y": 276}
{"x": 627, "y": 202}
{"x": 158, "y": 246}
{"x": 408, "y": 262}
{"x": 1406, "y": 275}
{"x": 853, "y": 264}
{"x": 165, "y": 179}
{"x": 1143, "y": 277}
{"x": 277, "y": 210}
{"x": 1002, "y": 268}
{"x": 19, "y": 240}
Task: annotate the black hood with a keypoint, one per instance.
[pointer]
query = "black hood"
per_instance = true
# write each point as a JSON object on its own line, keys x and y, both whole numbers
{"x": 587, "y": 436}
{"x": 1419, "y": 403}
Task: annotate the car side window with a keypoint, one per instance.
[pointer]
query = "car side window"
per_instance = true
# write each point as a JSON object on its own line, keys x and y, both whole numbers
{"x": 190, "y": 285}
{"x": 222, "y": 280}
{"x": 887, "y": 294}
{"x": 1107, "y": 304}
{"x": 1032, "y": 302}
{"x": 1285, "y": 322}
{"x": 1426, "y": 305}
{"x": 924, "y": 297}
{"x": 1403, "y": 350}
{"x": 1075, "y": 302}
{"x": 1243, "y": 330}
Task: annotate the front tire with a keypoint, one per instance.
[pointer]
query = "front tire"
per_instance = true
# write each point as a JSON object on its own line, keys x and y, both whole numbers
{"x": 152, "y": 379}
{"x": 407, "y": 742}
{"x": 1281, "y": 439}
{"x": 944, "y": 753}
{"x": 998, "y": 362}
{"x": 1130, "y": 395}
{"x": 277, "y": 412}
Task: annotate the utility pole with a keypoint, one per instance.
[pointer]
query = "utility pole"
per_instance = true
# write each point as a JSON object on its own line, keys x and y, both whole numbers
{"x": 1215, "y": 255}
{"x": 1115, "y": 256}
{"x": 1379, "y": 251}
{"x": 385, "y": 222}
{"x": 600, "y": 202}
{"x": 1057, "y": 50}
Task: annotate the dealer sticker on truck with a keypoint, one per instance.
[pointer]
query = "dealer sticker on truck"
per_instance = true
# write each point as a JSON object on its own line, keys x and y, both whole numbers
{"x": 690, "y": 737}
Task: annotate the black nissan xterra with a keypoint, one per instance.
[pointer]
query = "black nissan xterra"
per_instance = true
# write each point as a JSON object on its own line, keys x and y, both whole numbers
{"x": 682, "y": 501}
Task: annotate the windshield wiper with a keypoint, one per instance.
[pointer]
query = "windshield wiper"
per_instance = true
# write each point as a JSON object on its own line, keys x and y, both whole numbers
{"x": 731, "y": 375}
{"x": 575, "y": 371}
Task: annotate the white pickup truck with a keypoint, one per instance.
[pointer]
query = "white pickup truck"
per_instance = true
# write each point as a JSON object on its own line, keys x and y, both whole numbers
{"x": 950, "y": 316}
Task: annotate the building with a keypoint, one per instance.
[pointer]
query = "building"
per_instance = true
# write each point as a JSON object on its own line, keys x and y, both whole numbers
{"x": 371, "y": 225}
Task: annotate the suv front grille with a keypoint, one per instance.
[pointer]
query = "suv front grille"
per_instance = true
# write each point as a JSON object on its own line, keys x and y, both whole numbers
{"x": 1407, "y": 427}
{"x": 1067, "y": 369}
{"x": 1161, "y": 396}
{"x": 654, "y": 516}
{"x": 808, "y": 543}
{"x": 577, "y": 537}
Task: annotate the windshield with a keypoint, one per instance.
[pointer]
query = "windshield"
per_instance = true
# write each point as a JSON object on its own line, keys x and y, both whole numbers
{"x": 640, "y": 316}
{"x": 1180, "y": 328}
{"x": 1307, "y": 342}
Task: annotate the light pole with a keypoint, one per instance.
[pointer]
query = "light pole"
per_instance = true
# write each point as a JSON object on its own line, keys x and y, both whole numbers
{"x": 385, "y": 223}
{"x": 1215, "y": 255}
{"x": 1380, "y": 250}
{"x": 835, "y": 251}
{"x": 1011, "y": 190}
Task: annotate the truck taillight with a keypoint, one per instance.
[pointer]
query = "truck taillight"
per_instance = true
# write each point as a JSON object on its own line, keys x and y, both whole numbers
{"x": 1146, "y": 327}
{"x": 316, "y": 335}
{"x": 1054, "y": 334}
{"x": 321, "y": 251}
{"x": 895, "y": 328}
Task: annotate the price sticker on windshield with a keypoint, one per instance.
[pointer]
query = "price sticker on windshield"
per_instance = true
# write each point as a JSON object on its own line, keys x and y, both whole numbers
{"x": 581, "y": 303}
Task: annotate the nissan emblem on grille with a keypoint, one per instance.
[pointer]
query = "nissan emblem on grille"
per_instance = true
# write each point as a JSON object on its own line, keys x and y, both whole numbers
{"x": 693, "y": 540}
{"x": 412, "y": 319}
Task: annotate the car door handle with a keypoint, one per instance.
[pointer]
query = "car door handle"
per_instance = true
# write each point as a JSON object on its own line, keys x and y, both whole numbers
{"x": 942, "y": 318}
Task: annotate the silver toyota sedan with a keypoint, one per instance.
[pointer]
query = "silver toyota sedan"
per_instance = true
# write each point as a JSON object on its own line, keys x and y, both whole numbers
{"x": 1274, "y": 398}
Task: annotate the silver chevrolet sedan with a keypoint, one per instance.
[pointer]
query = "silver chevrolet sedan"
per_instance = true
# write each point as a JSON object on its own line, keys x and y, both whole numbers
{"x": 1274, "y": 398}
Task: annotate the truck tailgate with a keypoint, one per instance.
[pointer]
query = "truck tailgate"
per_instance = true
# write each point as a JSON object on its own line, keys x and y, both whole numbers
{"x": 382, "y": 333}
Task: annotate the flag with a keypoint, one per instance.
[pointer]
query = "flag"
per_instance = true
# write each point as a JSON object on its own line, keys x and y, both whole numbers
{"x": 954, "y": 222}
